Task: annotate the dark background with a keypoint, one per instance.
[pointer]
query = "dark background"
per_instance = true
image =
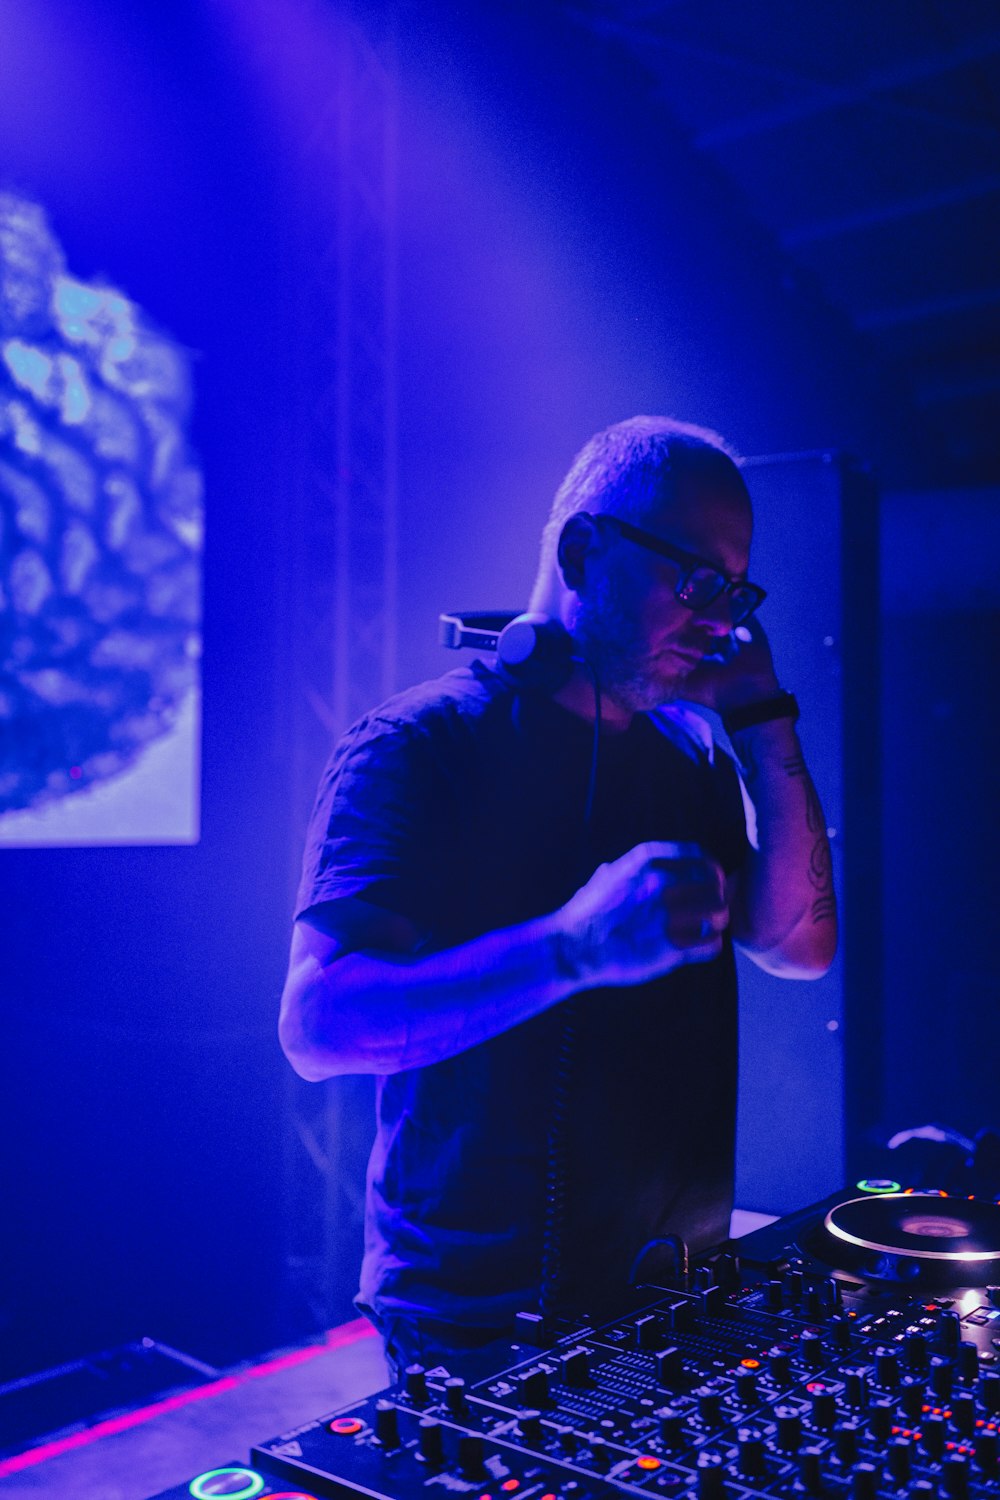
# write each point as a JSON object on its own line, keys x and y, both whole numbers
{"x": 568, "y": 255}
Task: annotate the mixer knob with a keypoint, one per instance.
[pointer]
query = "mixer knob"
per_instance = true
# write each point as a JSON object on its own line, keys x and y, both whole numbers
{"x": 774, "y": 1296}
{"x": 824, "y": 1406}
{"x": 911, "y": 1397}
{"x": 669, "y": 1369}
{"x": 921, "y": 1489}
{"x": 529, "y": 1425}
{"x": 599, "y": 1453}
{"x": 811, "y": 1346}
{"x": 746, "y": 1387}
{"x": 856, "y": 1387}
{"x": 915, "y": 1349}
{"x": 887, "y": 1366}
{"x": 430, "y": 1441}
{"x": 812, "y": 1303}
{"x": 839, "y": 1332}
{"x": 470, "y": 1454}
{"x": 941, "y": 1375}
{"x": 793, "y": 1283}
{"x": 789, "y": 1424}
{"x": 750, "y": 1446}
{"x": 847, "y": 1437}
{"x": 880, "y": 1418}
{"x": 987, "y": 1450}
{"x": 900, "y": 1460}
{"x": 949, "y": 1331}
{"x": 454, "y": 1395}
{"x": 711, "y": 1476}
{"x": 955, "y": 1476}
{"x": 864, "y": 1482}
{"x": 989, "y": 1391}
{"x": 993, "y": 1293}
{"x": 779, "y": 1364}
{"x": 831, "y": 1293}
{"x": 967, "y": 1361}
{"x": 933, "y": 1433}
{"x": 810, "y": 1472}
{"x": 576, "y": 1367}
{"x": 671, "y": 1426}
{"x": 963, "y": 1413}
{"x": 386, "y": 1424}
{"x": 415, "y": 1384}
{"x": 704, "y": 1277}
{"x": 709, "y": 1405}
{"x": 534, "y": 1388}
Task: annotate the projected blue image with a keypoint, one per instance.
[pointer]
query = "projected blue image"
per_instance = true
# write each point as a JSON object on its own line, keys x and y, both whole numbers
{"x": 100, "y": 546}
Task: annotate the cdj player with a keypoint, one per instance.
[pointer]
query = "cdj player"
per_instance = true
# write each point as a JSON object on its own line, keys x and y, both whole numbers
{"x": 850, "y": 1350}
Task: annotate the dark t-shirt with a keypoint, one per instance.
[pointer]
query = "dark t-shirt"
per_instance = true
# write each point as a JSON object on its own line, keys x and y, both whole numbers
{"x": 461, "y": 805}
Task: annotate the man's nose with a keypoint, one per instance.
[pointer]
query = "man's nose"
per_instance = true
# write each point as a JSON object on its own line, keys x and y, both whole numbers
{"x": 717, "y": 617}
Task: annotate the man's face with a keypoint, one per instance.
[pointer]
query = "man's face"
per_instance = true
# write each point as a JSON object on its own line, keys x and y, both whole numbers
{"x": 639, "y": 638}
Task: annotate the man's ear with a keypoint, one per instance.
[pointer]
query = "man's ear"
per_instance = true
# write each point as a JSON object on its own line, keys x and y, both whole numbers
{"x": 578, "y": 537}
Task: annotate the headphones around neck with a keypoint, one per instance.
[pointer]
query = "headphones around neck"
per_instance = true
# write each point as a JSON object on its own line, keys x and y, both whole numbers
{"x": 533, "y": 650}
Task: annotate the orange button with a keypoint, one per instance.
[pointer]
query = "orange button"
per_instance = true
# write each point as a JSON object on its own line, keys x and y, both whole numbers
{"x": 511, "y": 1484}
{"x": 750, "y": 1364}
{"x": 647, "y": 1461}
{"x": 346, "y": 1426}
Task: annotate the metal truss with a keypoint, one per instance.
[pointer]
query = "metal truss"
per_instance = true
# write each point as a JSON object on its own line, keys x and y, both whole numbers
{"x": 338, "y": 571}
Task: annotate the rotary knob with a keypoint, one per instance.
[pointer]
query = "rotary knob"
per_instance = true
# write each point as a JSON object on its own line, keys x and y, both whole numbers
{"x": 847, "y": 1440}
{"x": 963, "y": 1413}
{"x": 454, "y": 1395}
{"x": 774, "y": 1296}
{"x": 880, "y": 1419}
{"x": 671, "y": 1426}
{"x": 942, "y": 1374}
{"x": 900, "y": 1460}
{"x": 967, "y": 1362}
{"x": 988, "y": 1451}
{"x": 933, "y": 1434}
{"x": 415, "y": 1384}
{"x": 915, "y": 1349}
{"x": 810, "y": 1471}
{"x": 864, "y": 1482}
{"x": 599, "y": 1453}
{"x": 709, "y": 1405}
{"x": 576, "y": 1368}
{"x": 711, "y": 1476}
{"x": 529, "y": 1425}
{"x": 811, "y": 1346}
{"x": 955, "y": 1476}
{"x": 887, "y": 1366}
{"x": 839, "y": 1330}
{"x": 911, "y": 1397}
{"x": 789, "y": 1428}
{"x": 824, "y": 1407}
{"x": 746, "y": 1387}
{"x": 856, "y": 1388}
{"x": 779, "y": 1366}
{"x": 386, "y": 1424}
{"x": 470, "y": 1454}
{"x": 430, "y": 1442}
{"x": 750, "y": 1452}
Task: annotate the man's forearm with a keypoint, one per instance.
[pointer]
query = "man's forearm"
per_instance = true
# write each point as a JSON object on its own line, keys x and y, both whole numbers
{"x": 785, "y": 915}
{"x": 374, "y": 1013}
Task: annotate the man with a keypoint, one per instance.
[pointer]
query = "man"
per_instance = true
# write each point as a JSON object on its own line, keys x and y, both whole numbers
{"x": 519, "y": 903}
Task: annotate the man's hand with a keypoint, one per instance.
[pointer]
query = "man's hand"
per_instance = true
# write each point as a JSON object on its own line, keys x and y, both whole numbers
{"x": 747, "y": 676}
{"x": 657, "y": 907}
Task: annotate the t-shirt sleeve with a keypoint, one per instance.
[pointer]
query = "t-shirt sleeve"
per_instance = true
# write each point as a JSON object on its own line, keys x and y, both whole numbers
{"x": 369, "y": 834}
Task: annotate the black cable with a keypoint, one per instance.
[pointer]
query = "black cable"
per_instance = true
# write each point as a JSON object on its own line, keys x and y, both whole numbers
{"x": 556, "y": 1188}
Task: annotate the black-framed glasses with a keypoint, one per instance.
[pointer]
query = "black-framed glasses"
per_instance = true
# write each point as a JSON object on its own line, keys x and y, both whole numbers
{"x": 698, "y": 584}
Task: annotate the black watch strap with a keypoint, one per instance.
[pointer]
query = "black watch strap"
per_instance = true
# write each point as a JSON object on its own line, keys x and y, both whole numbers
{"x": 781, "y": 706}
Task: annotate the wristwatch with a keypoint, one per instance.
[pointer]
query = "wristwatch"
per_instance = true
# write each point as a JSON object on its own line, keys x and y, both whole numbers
{"x": 782, "y": 706}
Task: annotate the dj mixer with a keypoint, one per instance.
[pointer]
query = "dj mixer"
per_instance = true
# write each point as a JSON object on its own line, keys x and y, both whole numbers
{"x": 849, "y": 1351}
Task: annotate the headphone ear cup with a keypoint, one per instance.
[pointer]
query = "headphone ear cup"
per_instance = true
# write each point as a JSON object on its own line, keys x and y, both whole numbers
{"x": 535, "y": 651}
